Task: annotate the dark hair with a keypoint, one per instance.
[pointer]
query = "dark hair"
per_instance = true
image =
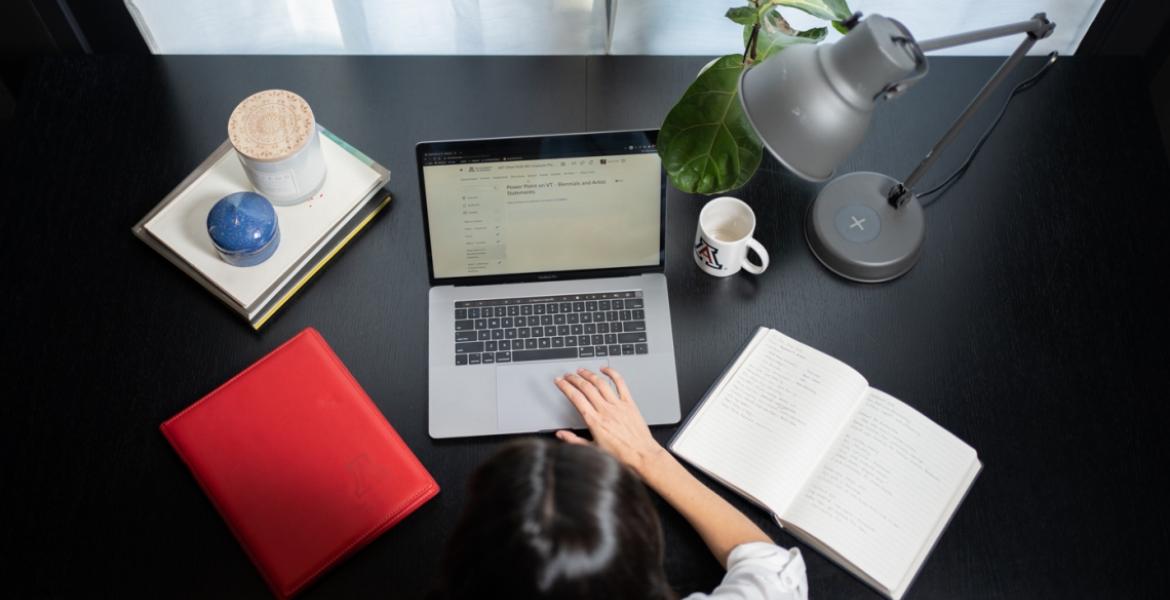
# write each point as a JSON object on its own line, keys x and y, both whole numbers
{"x": 554, "y": 520}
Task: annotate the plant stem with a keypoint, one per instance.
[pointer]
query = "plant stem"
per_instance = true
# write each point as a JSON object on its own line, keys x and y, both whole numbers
{"x": 749, "y": 53}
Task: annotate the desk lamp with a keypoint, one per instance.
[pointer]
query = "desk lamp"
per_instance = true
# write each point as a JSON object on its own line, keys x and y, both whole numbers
{"x": 811, "y": 105}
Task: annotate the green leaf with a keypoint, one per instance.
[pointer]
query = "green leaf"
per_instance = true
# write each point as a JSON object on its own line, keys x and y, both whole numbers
{"x": 744, "y": 15}
{"x": 706, "y": 143}
{"x": 774, "y": 21}
{"x": 770, "y": 42}
{"x": 840, "y": 27}
{"x": 840, "y": 9}
{"x": 825, "y": 9}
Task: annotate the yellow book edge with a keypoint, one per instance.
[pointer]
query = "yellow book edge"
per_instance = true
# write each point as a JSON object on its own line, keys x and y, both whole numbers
{"x": 320, "y": 264}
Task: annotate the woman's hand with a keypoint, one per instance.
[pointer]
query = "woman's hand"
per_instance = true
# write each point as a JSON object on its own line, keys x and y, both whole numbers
{"x": 613, "y": 418}
{"x": 619, "y": 428}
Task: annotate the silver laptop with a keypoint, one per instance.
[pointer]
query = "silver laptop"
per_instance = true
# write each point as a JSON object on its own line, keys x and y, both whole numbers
{"x": 545, "y": 254}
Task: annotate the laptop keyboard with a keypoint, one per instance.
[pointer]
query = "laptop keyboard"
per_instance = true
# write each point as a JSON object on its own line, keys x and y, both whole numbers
{"x": 549, "y": 327}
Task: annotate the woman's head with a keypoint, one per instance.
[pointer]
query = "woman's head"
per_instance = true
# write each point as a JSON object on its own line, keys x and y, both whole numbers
{"x": 545, "y": 519}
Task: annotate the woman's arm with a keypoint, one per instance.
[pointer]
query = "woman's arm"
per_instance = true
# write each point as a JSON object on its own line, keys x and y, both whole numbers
{"x": 618, "y": 427}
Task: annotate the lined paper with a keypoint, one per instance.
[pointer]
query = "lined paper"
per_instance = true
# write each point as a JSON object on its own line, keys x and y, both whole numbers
{"x": 768, "y": 423}
{"x": 884, "y": 487}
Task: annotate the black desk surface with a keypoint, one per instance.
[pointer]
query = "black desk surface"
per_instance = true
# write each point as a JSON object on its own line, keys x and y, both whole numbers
{"x": 1033, "y": 328}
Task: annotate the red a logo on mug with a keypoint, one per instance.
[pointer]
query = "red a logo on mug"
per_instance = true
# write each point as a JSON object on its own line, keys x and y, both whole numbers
{"x": 706, "y": 253}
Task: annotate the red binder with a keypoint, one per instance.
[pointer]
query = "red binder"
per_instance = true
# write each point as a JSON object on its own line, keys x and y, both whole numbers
{"x": 299, "y": 462}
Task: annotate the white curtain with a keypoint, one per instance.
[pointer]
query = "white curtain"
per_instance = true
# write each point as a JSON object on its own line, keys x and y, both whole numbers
{"x": 698, "y": 26}
{"x": 547, "y": 26}
{"x": 371, "y": 26}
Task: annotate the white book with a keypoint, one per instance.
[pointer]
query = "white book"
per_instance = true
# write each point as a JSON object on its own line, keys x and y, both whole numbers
{"x": 852, "y": 471}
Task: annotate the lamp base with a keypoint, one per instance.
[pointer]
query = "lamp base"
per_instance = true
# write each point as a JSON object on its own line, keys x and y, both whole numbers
{"x": 852, "y": 229}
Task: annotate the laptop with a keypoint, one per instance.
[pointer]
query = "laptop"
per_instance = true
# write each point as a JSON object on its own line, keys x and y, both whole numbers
{"x": 545, "y": 254}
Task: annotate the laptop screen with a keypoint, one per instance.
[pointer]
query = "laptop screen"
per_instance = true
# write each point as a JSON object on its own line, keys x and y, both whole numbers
{"x": 542, "y": 205}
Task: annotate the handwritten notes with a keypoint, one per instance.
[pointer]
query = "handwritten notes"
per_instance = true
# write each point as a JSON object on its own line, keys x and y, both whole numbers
{"x": 883, "y": 488}
{"x": 857, "y": 473}
{"x": 768, "y": 423}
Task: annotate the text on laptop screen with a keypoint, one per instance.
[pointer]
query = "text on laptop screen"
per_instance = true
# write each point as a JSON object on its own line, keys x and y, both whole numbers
{"x": 498, "y": 215}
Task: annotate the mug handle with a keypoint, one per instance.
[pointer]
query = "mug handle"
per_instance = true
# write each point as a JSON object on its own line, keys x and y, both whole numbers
{"x": 751, "y": 267}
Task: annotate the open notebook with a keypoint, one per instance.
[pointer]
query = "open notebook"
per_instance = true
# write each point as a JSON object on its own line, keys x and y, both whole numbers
{"x": 855, "y": 473}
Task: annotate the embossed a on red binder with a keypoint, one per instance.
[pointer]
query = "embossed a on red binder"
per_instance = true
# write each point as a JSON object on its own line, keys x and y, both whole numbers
{"x": 299, "y": 462}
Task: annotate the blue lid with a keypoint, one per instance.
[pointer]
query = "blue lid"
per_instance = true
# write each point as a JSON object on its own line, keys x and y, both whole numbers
{"x": 241, "y": 223}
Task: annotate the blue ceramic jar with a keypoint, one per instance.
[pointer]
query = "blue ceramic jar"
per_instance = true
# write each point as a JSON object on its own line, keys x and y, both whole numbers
{"x": 243, "y": 228}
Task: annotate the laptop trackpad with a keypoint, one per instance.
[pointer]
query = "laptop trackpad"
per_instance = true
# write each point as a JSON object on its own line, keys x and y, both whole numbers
{"x": 529, "y": 401}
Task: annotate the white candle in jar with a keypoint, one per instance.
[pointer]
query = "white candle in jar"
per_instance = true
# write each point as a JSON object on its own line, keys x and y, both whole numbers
{"x": 275, "y": 136}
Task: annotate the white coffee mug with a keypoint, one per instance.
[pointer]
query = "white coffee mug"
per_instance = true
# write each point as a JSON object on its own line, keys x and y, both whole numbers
{"x": 724, "y": 236}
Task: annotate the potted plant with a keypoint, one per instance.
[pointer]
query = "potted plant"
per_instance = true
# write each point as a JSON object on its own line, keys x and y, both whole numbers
{"x": 706, "y": 143}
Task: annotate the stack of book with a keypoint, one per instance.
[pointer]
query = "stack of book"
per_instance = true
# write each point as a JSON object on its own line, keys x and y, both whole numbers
{"x": 312, "y": 232}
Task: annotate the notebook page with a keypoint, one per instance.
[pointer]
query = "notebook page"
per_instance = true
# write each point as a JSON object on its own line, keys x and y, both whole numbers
{"x": 832, "y": 555}
{"x": 948, "y": 512}
{"x": 883, "y": 488}
{"x": 769, "y": 421}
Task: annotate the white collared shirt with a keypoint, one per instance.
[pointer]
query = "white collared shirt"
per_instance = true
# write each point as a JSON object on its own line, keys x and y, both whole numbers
{"x": 761, "y": 571}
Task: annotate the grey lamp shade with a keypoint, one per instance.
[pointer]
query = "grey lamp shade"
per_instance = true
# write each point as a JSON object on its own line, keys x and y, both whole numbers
{"x": 811, "y": 104}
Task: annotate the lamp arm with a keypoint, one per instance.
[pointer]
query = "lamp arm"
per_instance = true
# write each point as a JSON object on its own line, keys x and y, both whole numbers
{"x": 1038, "y": 27}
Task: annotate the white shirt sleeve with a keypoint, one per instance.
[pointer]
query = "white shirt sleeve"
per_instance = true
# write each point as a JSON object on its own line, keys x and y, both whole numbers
{"x": 761, "y": 571}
